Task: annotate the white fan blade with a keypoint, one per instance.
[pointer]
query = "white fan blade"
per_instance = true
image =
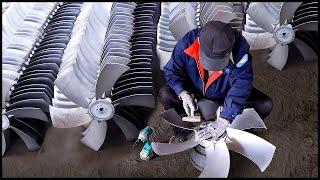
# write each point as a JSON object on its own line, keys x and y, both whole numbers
{"x": 218, "y": 161}
{"x": 224, "y": 16}
{"x": 71, "y": 87}
{"x": 96, "y": 135}
{"x": 163, "y": 56}
{"x": 166, "y": 148}
{"x": 287, "y": 11}
{"x": 278, "y": 57}
{"x": 262, "y": 15}
{"x": 253, "y": 147}
{"x": 68, "y": 118}
{"x": 259, "y": 40}
{"x": 87, "y": 130}
{"x": 6, "y": 85}
{"x": 107, "y": 77}
{"x": 247, "y": 120}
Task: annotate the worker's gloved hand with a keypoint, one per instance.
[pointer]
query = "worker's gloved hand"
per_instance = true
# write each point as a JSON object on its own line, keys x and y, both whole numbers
{"x": 187, "y": 102}
{"x": 220, "y": 126}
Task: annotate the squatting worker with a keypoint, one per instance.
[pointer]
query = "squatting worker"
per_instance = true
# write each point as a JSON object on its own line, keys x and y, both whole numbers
{"x": 212, "y": 62}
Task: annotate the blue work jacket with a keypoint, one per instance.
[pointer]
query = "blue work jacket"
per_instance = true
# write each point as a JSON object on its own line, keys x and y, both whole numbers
{"x": 233, "y": 83}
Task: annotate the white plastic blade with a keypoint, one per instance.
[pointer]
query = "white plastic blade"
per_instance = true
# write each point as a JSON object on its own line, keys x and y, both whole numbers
{"x": 71, "y": 87}
{"x": 259, "y": 40}
{"x": 218, "y": 161}
{"x": 262, "y": 16}
{"x": 107, "y": 77}
{"x": 128, "y": 129}
{"x": 6, "y": 85}
{"x": 68, "y": 118}
{"x": 166, "y": 148}
{"x": 224, "y": 16}
{"x": 287, "y": 11}
{"x": 247, "y": 120}
{"x": 253, "y": 147}
{"x": 87, "y": 130}
{"x": 278, "y": 57}
{"x": 96, "y": 135}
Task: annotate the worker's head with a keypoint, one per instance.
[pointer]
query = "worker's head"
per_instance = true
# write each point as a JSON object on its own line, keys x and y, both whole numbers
{"x": 216, "y": 42}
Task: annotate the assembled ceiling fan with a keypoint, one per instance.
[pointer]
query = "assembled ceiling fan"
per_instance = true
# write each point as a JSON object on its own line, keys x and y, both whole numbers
{"x": 216, "y": 161}
{"x": 281, "y": 21}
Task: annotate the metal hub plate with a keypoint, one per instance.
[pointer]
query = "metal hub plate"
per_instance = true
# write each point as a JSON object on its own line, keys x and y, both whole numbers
{"x": 101, "y": 109}
{"x": 284, "y": 34}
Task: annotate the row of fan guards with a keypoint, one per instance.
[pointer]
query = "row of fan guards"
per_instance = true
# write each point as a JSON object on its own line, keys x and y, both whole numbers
{"x": 279, "y": 24}
{"x": 27, "y": 112}
{"x": 104, "y": 102}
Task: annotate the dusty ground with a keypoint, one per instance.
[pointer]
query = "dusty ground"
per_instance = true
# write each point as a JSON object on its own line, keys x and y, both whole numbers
{"x": 292, "y": 128}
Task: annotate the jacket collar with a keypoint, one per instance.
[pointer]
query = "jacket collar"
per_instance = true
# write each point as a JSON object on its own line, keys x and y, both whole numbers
{"x": 194, "y": 51}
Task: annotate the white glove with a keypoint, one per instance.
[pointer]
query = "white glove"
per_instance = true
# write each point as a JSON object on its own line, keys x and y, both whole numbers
{"x": 220, "y": 126}
{"x": 187, "y": 102}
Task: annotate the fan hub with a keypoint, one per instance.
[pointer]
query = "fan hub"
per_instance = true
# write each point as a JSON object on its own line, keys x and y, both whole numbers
{"x": 284, "y": 34}
{"x": 5, "y": 122}
{"x": 206, "y": 131}
{"x": 101, "y": 109}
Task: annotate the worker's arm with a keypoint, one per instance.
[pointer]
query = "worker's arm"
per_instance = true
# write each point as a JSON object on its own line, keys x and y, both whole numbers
{"x": 174, "y": 70}
{"x": 240, "y": 81}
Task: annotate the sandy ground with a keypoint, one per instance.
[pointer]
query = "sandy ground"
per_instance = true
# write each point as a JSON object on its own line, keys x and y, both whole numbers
{"x": 292, "y": 128}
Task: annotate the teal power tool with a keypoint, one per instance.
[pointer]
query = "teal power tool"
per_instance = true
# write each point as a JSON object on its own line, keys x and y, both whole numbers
{"x": 145, "y": 137}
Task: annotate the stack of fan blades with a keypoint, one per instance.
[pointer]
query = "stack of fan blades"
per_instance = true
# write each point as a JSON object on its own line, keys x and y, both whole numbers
{"x": 305, "y": 23}
{"x": 306, "y": 17}
{"x": 135, "y": 86}
{"x": 12, "y": 19}
{"x": 81, "y": 59}
{"x": 120, "y": 28}
{"x": 94, "y": 105}
{"x": 165, "y": 41}
{"x": 275, "y": 18}
{"x": 198, "y": 14}
{"x": 182, "y": 18}
{"x": 238, "y": 9}
{"x": 21, "y": 44}
{"x": 217, "y": 11}
{"x": 26, "y": 111}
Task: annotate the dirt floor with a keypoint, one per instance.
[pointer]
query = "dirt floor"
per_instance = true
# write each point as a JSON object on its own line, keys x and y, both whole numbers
{"x": 292, "y": 128}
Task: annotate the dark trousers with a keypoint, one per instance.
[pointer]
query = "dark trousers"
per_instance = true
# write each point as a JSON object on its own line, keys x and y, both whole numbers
{"x": 257, "y": 100}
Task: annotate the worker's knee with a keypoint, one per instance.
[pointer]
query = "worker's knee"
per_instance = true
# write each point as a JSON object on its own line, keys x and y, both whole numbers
{"x": 166, "y": 95}
{"x": 264, "y": 107}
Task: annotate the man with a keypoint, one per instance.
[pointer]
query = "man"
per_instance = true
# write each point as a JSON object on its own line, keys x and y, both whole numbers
{"x": 213, "y": 63}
